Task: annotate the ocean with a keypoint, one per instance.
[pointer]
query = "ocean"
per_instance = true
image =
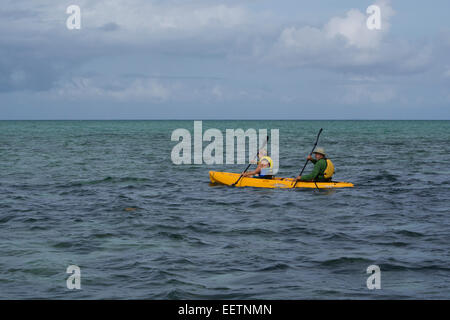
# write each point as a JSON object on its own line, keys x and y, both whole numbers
{"x": 106, "y": 197}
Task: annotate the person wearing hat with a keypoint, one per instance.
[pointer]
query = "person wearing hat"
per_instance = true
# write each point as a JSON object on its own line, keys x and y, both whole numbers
{"x": 323, "y": 167}
{"x": 264, "y": 167}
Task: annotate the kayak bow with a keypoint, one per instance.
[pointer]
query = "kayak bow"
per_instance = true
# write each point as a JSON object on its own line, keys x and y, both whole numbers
{"x": 228, "y": 178}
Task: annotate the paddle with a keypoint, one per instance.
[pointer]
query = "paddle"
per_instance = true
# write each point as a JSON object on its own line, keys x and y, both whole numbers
{"x": 264, "y": 144}
{"x": 315, "y": 144}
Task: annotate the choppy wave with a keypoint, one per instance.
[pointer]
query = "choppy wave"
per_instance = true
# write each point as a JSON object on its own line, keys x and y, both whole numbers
{"x": 105, "y": 196}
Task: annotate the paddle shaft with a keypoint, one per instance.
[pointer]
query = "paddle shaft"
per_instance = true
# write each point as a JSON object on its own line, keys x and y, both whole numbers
{"x": 242, "y": 174}
{"x": 315, "y": 145}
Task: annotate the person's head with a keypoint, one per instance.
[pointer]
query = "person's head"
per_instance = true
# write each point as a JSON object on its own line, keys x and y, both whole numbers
{"x": 265, "y": 163}
{"x": 319, "y": 153}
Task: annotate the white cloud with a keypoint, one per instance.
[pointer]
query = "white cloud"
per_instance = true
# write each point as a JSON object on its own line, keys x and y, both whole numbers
{"x": 353, "y": 27}
{"x": 346, "y": 43}
{"x": 342, "y": 40}
{"x": 139, "y": 19}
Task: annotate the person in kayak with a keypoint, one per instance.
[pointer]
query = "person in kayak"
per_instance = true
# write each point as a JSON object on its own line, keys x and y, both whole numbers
{"x": 264, "y": 170}
{"x": 323, "y": 168}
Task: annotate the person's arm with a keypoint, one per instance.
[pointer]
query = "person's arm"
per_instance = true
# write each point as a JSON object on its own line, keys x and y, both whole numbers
{"x": 310, "y": 158}
{"x": 318, "y": 166}
{"x": 314, "y": 161}
{"x": 252, "y": 173}
{"x": 312, "y": 175}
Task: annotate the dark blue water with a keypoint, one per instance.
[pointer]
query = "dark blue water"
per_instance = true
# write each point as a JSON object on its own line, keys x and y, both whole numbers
{"x": 105, "y": 196}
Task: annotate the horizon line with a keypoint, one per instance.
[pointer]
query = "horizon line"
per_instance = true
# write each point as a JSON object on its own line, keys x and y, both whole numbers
{"x": 230, "y": 119}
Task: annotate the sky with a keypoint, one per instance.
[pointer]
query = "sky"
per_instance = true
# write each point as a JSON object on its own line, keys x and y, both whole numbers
{"x": 224, "y": 59}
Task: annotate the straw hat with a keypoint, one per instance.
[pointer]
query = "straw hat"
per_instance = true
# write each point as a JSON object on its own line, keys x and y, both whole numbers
{"x": 320, "y": 151}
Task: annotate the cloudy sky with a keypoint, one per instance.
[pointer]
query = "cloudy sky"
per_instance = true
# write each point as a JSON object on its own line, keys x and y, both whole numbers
{"x": 224, "y": 59}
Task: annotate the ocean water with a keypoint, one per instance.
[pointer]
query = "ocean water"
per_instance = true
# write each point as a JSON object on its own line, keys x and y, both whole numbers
{"x": 105, "y": 196}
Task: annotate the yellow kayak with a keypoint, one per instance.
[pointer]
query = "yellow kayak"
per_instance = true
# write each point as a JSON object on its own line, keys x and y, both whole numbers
{"x": 229, "y": 178}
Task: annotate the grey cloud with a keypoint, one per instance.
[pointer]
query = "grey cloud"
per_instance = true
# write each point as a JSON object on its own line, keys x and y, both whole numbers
{"x": 38, "y": 51}
{"x": 108, "y": 27}
{"x": 18, "y": 71}
{"x": 40, "y": 54}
